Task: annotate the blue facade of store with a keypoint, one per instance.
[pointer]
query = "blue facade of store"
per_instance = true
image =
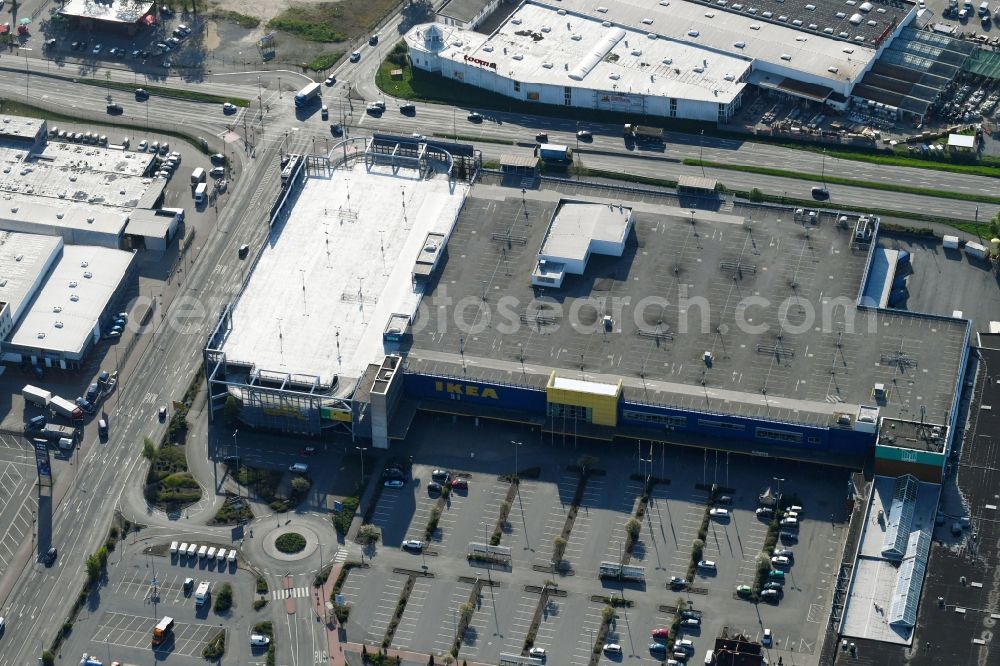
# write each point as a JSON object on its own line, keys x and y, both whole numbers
{"x": 761, "y": 436}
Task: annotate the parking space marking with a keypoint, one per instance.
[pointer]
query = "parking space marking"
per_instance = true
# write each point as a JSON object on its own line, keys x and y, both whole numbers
{"x": 354, "y": 584}
{"x": 133, "y": 631}
{"x": 403, "y": 637}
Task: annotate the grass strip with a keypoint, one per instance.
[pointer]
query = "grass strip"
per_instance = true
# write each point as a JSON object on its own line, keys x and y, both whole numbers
{"x": 964, "y": 225}
{"x": 473, "y": 139}
{"x": 242, "y": 20}
{"x": 837, "y": 180}
{"x": 324, "y": 61}
{"x": 176, "y": 93}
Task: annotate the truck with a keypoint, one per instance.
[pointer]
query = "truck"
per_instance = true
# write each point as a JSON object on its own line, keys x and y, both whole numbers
{"x": 976, "y": 251}
{"x": 36, "y": 396}
{"x": 950, "y": 242}
{"x": 305, "y": 96}
{"x": 554, "y": 152}
{"x": 198, "y": 175}
{"x": 201, "y": 594}
{"x": 643, "y": 132}
{"x": 199, "y": 192}
{"x": 162, "y": 629}
{"x": 64, "y": 407}
{"x": 55, "y": 432}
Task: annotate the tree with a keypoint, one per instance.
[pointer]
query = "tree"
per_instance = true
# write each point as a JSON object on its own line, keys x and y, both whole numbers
{"x": 632, "y": 527}
{"x": 300, "y": 486}
{"x": 465, "y": 612}
{"x": 48, "y": 658}
{"x": 607, "y": 613}
{"x": 231, "y": 411}
{"x": 756, "y": 195}
{"x": 430, "y": 662}
{"x": 558, "y": 549}
{"x": 368, "y": 534}
{"x": 148, "y": 449}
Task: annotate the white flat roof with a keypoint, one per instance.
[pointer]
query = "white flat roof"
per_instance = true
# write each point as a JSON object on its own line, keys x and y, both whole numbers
{"x": 576, "y": 225}
{"x": 962, "y": 140}
{"x": 118, "y": 11}
{"x": 23, "y": 257}
{"x": 56, "y": 320}
{"x": 583, "y": 386}
{"x": 716, "y": 28}
{"x": 70, "y": 172}
{"x": 321, "y": 294}
{"x": 20, "y": 127}
{"x": 538, "y": 45}
{"x": 31, "y": 211}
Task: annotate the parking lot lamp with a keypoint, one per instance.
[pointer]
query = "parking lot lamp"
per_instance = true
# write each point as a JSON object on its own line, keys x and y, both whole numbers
{"x": 777, "y": 502}
{"x": 362, "y": 449}
{"x": 516, "y": 446}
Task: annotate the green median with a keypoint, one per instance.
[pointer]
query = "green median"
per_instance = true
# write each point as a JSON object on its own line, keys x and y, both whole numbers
{"x": 852, "y": 182}
{"x": 175, "y": 93}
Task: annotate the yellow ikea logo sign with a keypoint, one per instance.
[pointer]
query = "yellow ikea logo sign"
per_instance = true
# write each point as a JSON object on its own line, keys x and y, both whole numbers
{"x": 470, "y": 390}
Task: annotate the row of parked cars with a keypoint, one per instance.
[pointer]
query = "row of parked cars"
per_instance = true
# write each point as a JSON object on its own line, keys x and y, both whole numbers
{"x": 92, "y": 138}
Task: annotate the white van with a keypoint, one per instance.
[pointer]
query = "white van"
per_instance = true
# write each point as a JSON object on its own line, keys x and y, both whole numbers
{"x": 192, "y": 549}
{"x": 299, "y": 468}
{"x": 221, "y": 555}
{"x": 182, "y": 551}
{"x": 232, "y": 556}
{"x": 202, "y": 552}
{"x": 709, "y": 655}
{"x": 173, "y": 547}
{"x": 211, "y": 553}
{"x": 200, "y": 192}
{"x": 65, "y": 444}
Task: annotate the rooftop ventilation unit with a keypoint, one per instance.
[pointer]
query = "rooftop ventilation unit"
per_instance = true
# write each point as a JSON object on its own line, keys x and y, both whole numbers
{"x": 755, "y": 26}
{"x": 866, "y": 7}
{"x": 855, "y": 19}
{"x": 752, "y": 10}
{"x": 637, "y": 52}
{"x": 845, "y": 35}
{"x": 785, "y": 56}
{"x": 614, "y": 76}
{"x": 651, "y": 35}
{"x": 729, "y": 77}
{"x": 828, "y": 31}
{"x": 801, "y": 38}
{"x": 576, "y": 38}
{"x": 546, "y": 28}
{"x": 517, "y": 56}
{"x": 547, "y": 65}
{"x": 88, "y": 274}
{"x": 488, "y": 48}
{"x": 783, "y": 18}
{"x": 740, "y": 45}
{"x": 811, "y": 8}
{"x": 602, "y": 10}
{"x": 709, "y": 14}
{"x": 606, "y": 24}
{"x": 57, "y": 309}
{"x": 58, "y": 324}
{"x": 72, "y": 284}
{"x": 767, "y": 14}
{"x": 813, "y": 26}
{"x": 516, "y": 21}
{"x": 847, "y": 50}
{"x": 692, "y": 33}
{"x": 841, "y": 15}
{"x": 561, "y": 12}
{"x": 832, "y": 70}
{"x": 698, "y": 69}
{"x": 647, "y": 21}
{"x": 797, "y": 22}
{"x": 74, "y": 298}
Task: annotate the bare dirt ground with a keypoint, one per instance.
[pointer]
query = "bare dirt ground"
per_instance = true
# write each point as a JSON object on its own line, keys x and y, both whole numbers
{"x": 265, "y": 10}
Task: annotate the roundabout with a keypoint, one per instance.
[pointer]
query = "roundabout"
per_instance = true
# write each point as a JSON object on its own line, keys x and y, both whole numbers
{"x": 290, "y": 543}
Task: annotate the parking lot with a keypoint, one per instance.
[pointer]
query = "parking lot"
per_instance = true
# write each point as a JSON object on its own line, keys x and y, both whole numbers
{"x": 570, "y": 624}
{"x": 143, "y": 587}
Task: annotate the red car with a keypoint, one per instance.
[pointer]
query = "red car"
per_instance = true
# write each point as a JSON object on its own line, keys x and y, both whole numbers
{"x": 662, "y": 633}
{"x": 459, "y": 484}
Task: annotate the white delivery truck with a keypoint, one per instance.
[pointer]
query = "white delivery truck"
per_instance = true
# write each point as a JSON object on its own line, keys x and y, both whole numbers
{"x": 950, "y": 242}
{"x": 200, "y": 192}
{"x": 36, "y": 396}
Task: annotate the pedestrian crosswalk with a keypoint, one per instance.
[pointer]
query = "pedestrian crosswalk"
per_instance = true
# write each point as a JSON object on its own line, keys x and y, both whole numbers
{"x": 291, "y": 593}
{"x": 340, "y": 556}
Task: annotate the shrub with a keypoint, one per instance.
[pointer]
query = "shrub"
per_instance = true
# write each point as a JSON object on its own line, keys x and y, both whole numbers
{"x": 432, "y": 523}
{"x": 465, "y": 612}
{"x": 259, "y": 603}
{"x": 223, "y": 598}
{"x": 607, "y": 614}
{"x": 632, "y": 528}
{"x": 270, "y": 654}
{"x": 261, "y": 585}
{"x": 756, "y": 195}
{"x": 48, "y": 659}
{"x": 148, "y": 448}
{"x": 290, "y": 542}
{"x": 343, "y": 518}
{"x": 342, "y": 612}
{"x": 558, "y": 548}
{"x": 214, "y": 650}
{"x": 300, "y": 488}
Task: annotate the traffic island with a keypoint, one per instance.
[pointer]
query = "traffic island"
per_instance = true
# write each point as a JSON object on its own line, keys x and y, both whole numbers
{"x": 295, "y": 544}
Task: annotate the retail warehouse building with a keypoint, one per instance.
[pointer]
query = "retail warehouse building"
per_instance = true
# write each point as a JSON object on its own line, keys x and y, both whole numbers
{"x": 583, "y": 317}
{"x": 696, "y": 59}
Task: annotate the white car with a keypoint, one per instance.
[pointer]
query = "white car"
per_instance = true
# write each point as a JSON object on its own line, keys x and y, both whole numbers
{"x": 765, "y": 512}
{"x": 706, "y": 564}
{"x": 97, "y": 49}
{"x": 612, "y": 648}
{"x": 228, "y": 108}
{"x": 780, "y": 561}
{"x": 789, "y": 522}
{"x": 394, "y": 483}
{"x": 718, "y": 513}
{"x": 677, "y": 581}
{"x": 3, "y": 624}
{"x": 143, "y": 145}
{"x": 330, "y": 80}
{"x": 537, "y": 653}
{"x": 413, "y": 544}
{"x": 259, "y": 640}
{"x": 765, "y": 640}
{"x": 691, "y": 622}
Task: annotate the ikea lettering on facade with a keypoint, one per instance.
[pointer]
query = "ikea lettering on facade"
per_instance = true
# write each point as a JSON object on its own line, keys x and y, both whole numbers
{"x": 471, "y": 390}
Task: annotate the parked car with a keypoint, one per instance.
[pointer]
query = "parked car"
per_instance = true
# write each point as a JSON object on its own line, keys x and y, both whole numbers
{"x": 97, "y": 49}
{"x": 413, "y": 544}
{"x": 541, "y": 137}
{"x": 373, "y": 40}
{"x": 691, "y": 622}
{"x": 706, "y": 564}
{"x": 765, "y": 512}
{"x": 336, "y": 129}
{"x": 50, "y": 556}
{"x": 780, "y": 561}
{"x": 433, "y": 487}
{"x": 408, "y": 109}
{"x": 655, "y": 647}
{"x": 744, "y": 590}
{"x": 784, "y": 552}
{"x": 770, "y": 595}
{"x": 766, "y": 639}
{"x": 677, "y": 581}
{"x": 394, "y": 483}
{"x": 143, "y": 145}
{"x": 440, "y": 475}
{"x": 612, "y": 648}
{"x": 259, "y": 640}
{"x": 661, "y": 633}
{"x": 115, "y": 109}
{"x": 218, "y": 159}
{"x": 724, "y": 499}
{"x": 459, "y": 484}
{"x": 774, "y": 585}
{"x": 718, "y": 513}
{"x": 217, "y": 172}
{"x": 789, "y": 522}
{"x": 475, "y": 117}
{"x": 355, "y": 56}
{"x": 537, "y": 653}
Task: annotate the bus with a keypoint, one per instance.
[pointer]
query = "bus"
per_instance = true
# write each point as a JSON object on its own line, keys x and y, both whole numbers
{"x": 307, "y": 95}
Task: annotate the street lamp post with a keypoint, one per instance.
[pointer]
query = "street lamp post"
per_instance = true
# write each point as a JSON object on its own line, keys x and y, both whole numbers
{"x": 27, "y": 75}
{"x": 778, "y": 499}
{"x": 236, "y": 443}
{"x": 516, "y": 445}
{"x": 362, "y": 449}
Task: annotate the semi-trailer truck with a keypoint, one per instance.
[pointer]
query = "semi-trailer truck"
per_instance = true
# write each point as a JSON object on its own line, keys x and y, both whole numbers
{"x": 64, "y": 407}
{"x": 554, "y": 152}
{"x": 56, "y": 432}
{"x": 36, "y": 396}
{"x": 643, "y": 132}
{"x": 307, "y": 95}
